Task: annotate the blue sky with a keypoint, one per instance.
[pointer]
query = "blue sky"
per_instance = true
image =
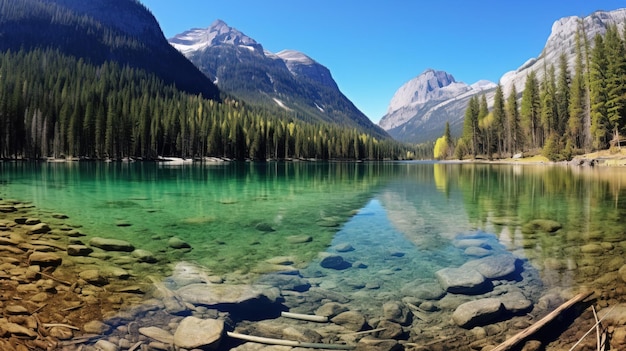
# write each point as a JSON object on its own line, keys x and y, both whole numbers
{"x": 373, "y": 47}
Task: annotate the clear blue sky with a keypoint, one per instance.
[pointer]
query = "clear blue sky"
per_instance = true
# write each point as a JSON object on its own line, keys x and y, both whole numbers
{"x": 373, "y": 47}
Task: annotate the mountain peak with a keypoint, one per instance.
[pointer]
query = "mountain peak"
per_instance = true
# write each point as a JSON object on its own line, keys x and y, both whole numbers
{"x": 422, "y": 89}
{"x": 218, "y": 33}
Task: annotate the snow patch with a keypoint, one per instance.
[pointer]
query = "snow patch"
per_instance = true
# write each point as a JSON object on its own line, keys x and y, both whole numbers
{"x": 281, "y": 104}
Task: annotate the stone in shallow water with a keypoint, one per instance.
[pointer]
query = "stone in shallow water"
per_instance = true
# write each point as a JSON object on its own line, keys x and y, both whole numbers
{"x": 111, "y": 244}
{"x": 424, "y": 290}
{"x": 493, "y": 267}
{"x": 144, "y": 256}
{"x": 93, "y": 276}
{"x": 351, "y": 320}
{"x": 334, "y": 262}
{"x": 157, "y": 334}
{"x": 209, "y": 294}
{"x": 40, "y": 228}
{"x": 177, "y": 243}
{"x": 477, "y": 313}
{"x": 78, "y": 250}
{"x": 515, "y": 302}
{"x": 44, "y": 259}
{"x": 462, "y": 281}
{"x": 193, "y": 333}
{"x": 344, "y": 247}
{"x": 477, "y": 251}
{"x": 299, "y": 239}
{"x": 285, "y": 282}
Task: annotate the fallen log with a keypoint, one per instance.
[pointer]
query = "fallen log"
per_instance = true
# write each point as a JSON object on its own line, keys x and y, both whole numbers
{"x": 292, "y": 343}
{"x": 305, "y": 317}
{"x": 508, "y": 344}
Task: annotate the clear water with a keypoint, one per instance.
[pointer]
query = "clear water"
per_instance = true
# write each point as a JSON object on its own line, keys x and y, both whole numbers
{"x": 400, "y": 218}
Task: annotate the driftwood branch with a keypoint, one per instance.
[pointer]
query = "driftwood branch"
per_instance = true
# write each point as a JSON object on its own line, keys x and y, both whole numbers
{"x": 292, "y": 343}
{"x": 591, "y": 329}
{"x": 541, "y": 323}
{"x": 305, "y": 317}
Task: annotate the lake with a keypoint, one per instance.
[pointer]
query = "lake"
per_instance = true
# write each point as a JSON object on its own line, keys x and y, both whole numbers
{"x": 370, "y": 232}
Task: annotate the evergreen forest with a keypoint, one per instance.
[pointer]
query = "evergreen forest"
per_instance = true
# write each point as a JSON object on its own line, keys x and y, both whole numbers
{"x": 55, "y": 105}
{"x": 570, "y": 111}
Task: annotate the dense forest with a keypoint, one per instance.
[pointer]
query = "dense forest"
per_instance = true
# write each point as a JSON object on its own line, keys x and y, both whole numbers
{"x": 54, "y": 105}
{"x": 564, "y": 114}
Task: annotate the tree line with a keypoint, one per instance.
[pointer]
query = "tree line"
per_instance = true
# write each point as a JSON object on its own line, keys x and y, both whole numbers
{"x": 563, "y": 114}
{"x": 55, "y": 105}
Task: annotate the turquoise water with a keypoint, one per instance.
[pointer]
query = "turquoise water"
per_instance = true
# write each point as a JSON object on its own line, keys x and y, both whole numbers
{"x": 400, "y": 219}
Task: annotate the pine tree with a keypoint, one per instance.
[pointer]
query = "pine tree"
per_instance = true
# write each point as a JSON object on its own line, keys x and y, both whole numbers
{"x": 600, "y": 127}
{"x": 513, "y": 129}
{"x": 499, "y": 117}
{"x": 531, "y": 109}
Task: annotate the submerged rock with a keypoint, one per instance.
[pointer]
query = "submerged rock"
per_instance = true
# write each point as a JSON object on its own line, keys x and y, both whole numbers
{"x": 178, "y": 243}
{"x": 351, "y": 320}
{"x": 206, "y": 294}
{"x": 462, "y": 281}
{"x": 493, "y": 267}
{"x": 144, "y": 256}
{"x": 196, "y": 333}
{"x": 45, "y": 259}
{"x": 544, "y": 225}
{"x": 334, "y": 262}
{"x": 111, "y": 244}
{"x": 478, "y": 312}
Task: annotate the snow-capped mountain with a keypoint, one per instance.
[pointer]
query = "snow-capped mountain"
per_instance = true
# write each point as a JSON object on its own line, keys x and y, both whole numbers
{"x": 421, "y": 107}
{"x": 419, "y": 110}
{"x": 288, "y": 80}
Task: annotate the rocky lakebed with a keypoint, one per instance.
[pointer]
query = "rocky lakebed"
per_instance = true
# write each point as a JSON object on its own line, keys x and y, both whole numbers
{"x": 62, "y": 289}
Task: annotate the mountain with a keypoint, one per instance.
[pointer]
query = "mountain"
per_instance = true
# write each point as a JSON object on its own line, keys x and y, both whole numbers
{"x": 419, "y": 110}
{"x": 122, "y": 31}
{"x": 287, "y": 80}
{"x": 562, "y": 39}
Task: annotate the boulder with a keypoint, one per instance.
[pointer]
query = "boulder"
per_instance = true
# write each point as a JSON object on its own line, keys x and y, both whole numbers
{"x": 462, "y": 281}
{"x": 196, "y": 333}
{"x": 478, "y": 312}
{"x": 493, "y": 267}
{"x": 111, "y": 244}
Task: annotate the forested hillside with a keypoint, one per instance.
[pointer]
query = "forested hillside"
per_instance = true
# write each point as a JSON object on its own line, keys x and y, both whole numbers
{"x": 56, "y": 105}
{"x": 97, "y": 31}
{"x": 97, "y": 79}
{"x": 572, "y": 110}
